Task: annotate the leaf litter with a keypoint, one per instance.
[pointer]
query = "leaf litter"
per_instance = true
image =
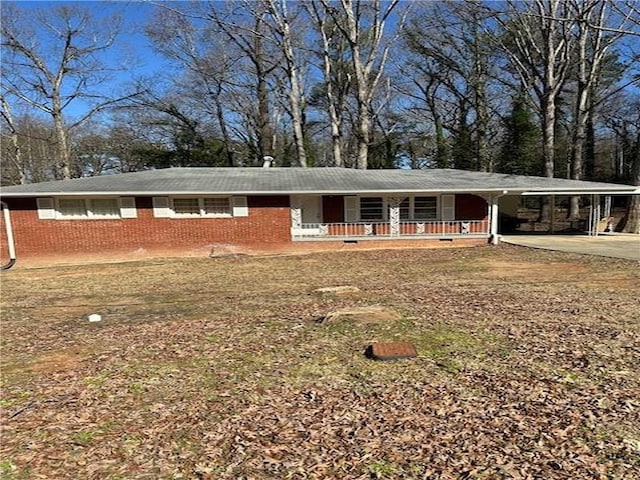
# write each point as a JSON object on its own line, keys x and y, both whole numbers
{"x": 215, "y": 370}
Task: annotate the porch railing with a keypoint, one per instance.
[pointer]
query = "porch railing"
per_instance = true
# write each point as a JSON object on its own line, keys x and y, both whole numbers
{"x": 363, "y": 230}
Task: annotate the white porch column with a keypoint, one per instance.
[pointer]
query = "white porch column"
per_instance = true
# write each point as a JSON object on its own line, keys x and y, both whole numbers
{"x": 493, "y": 216}
{"x": 296, "y": 214}
{"x": 394, "y": 215}
{"x": 597, "y": 215}
{"x": 607, "y": 206}
{"x": 552, "y": 217}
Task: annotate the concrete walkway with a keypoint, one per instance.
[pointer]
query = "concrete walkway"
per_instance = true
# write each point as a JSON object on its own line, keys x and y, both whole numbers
{"x": 617, "y": 245}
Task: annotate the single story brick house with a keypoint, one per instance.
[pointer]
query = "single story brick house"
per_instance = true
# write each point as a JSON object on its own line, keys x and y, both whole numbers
{"x": 259, "y": 209}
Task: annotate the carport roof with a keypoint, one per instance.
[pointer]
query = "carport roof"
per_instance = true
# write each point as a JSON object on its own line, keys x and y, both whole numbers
{"x": 328, "y": 181}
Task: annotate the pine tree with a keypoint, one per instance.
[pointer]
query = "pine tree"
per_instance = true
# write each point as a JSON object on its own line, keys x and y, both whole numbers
{"x": 520, "y": 152}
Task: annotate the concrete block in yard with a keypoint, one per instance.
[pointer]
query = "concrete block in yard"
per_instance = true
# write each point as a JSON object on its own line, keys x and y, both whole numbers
{"x": 391, "y": 351}
{"x": 339, "y": 290}
{"x": 363, "y": 315}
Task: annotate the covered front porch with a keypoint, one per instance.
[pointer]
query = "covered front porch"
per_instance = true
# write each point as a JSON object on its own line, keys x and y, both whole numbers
{"x": 406, "y": 216}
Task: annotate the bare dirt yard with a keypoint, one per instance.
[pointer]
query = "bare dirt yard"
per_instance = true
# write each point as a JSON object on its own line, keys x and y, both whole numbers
{"x": 219, "y": 368}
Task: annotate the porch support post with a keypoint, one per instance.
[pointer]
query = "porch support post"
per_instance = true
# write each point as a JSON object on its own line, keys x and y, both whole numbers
{"x": 394, "y": 215}
{"x": 296, "y": 213}
{"x": 597, "y": 215}
{"x": 493, "y": 229}
{"x": 591, "y": 215}
{"x": 552, "y": 217}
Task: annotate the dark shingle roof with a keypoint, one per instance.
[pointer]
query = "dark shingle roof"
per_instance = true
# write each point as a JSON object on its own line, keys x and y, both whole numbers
{"x": 270, "y": 181}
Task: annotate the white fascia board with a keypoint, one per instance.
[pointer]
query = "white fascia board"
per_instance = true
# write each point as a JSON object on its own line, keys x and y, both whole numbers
{"x": 258, "y": 192}
{"x": 581, "y": 192}
{"x": 625, "y": 190}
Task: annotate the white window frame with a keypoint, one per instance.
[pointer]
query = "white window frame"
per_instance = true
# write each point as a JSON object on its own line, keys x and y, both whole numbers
{"x": 203, "y": 213}
{"x": 385, "y": 209}
{"x": 89, "y": 214}
{"x": 412, "y": 209}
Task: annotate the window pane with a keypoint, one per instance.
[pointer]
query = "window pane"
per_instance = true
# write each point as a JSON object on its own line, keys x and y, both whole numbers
{"x": 105, "y": 207}
{"x": 371, "y": 208}
{"x": 425, "y": 208}
{"x": 72, "y": 207}
{"x": 404, "y": 209}
{"x": 186, "y": 206}
{"x": 217, "y": 206}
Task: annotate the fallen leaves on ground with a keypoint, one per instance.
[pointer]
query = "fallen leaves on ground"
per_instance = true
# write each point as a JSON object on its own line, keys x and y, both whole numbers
{"x": 218, "y": 369}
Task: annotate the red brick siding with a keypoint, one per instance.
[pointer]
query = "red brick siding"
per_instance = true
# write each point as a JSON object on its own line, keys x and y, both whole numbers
{"x": 470, "y": 207}
{"x": 268, "y": 223}
{"x": 266, "y": 228}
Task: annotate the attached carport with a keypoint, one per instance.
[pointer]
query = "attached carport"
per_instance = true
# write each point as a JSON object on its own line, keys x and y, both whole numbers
{"x": 594, "y": 190}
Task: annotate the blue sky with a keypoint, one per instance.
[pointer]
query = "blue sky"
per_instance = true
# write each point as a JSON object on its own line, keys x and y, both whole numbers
{"x": 132, "y": 55}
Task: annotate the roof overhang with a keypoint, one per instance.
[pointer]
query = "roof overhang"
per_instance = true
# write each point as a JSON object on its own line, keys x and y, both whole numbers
{"x": 225, "y": 181}
{"x": 582, "y": 192}
{"x": 381, "y": 192}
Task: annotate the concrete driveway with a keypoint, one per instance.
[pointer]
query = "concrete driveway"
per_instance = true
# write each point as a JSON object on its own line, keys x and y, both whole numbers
{"x": 617, "y": 245}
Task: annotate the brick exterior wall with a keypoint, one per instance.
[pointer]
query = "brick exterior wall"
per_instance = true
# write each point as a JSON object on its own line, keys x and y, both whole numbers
{"x": 268, "y": 224}
{"x": 266, "y": 229}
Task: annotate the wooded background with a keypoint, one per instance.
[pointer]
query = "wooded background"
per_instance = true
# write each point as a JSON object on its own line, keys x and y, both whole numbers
{"x": 544, "y": 87}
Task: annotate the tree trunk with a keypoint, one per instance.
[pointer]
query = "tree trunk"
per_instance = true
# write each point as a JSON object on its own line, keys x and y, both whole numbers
{"x": 264, "y": 130}
{"x": 577, "y": 153}
{"x": 548, "y": 149}
{"x": 295, "y": 90}
{"x": 333, "y": 106}
{"x": 580, "y": 121}
{"x": 226, "y": 140}
{"x": 482, "y": 149}
{"x": 295, "y": 99}
{"x": 590, "y": 145}
{"x": 364, "y": 100}
{"x": 63, "y": 156}
{"x": 480, "y": 103}
{"x": 336, "y": 136}
{"x": 363, "y": 136}
{"x": 15, "y": 141}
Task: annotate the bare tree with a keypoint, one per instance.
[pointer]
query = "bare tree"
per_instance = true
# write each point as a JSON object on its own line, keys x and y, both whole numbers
{"x": 594, "y": 43}
{"x": 540, "y": 44}
{"x": 281, "y": 24}
{"x": 208, "y": 66}
{"x": 363, "y": 23}
{"x": 36, "y": 143}
{"x": 456, "y": 62}
{"x": 337, "y": 80}
{"x": 542, "y": 49}
{"x": 15, "y": 155}
{"x": 244, "y": 27}
{"x": 52, "y": 57}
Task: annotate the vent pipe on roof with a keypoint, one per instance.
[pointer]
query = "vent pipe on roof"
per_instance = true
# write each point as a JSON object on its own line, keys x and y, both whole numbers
{"x": 267, "y": 160}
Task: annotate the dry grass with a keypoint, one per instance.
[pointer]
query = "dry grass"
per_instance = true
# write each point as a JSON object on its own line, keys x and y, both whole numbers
{"x": 218, "y": 368}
